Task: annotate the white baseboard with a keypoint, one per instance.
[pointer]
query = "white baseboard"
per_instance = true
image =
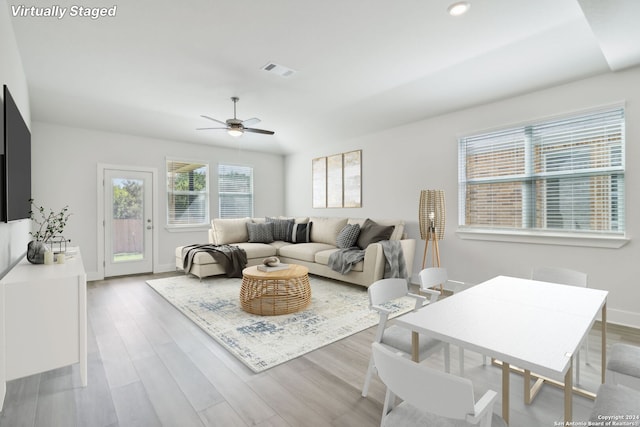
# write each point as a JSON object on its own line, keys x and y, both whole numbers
{"x": 624, "y": 318}
{"x": 93, "y": 276}
{"x": 162, "y": 268}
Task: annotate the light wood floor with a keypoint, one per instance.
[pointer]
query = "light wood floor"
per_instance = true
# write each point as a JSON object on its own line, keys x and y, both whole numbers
{"x": 150, "y": 366}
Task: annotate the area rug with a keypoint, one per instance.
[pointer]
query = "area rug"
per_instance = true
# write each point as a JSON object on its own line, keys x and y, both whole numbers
{"x": 337, "y": 311}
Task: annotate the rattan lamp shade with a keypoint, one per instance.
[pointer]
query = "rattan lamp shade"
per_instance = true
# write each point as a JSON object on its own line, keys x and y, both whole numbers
{"x": 432, "y": 208}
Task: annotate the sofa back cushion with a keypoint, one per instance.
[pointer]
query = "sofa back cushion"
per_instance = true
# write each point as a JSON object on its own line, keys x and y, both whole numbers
{"x": 398, "y": 224}
{"x": 229, "y": 230}
{"x": 325, "y": 230}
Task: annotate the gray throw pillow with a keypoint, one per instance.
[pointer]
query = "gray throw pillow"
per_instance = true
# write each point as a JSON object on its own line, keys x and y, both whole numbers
{"x": 259, "y": 233}
{"x": 372, "y": 232}
{"x": 348, "y": 236}
{"x": 281, "y": 228}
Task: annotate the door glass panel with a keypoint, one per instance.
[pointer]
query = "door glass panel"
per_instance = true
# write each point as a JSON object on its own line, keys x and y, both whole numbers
{"x": 128, "y": 226}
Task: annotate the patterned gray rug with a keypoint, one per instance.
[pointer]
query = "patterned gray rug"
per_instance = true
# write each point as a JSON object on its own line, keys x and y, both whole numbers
{"x": 337, "y": 310}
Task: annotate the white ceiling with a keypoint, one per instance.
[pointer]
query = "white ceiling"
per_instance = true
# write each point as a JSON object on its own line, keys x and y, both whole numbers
{"x": 362, "y": 65}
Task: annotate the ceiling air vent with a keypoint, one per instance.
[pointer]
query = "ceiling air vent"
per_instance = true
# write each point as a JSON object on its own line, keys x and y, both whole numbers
{"x": 280, "y": 70}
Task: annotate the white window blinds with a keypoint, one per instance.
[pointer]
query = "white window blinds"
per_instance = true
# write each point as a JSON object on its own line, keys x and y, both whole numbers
{"x": 235, "y": 191}
{"x": 560, "y": 175}
{"x": 187, "y": 193}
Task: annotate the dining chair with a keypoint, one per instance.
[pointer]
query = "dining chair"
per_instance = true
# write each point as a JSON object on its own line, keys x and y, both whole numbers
{"x": 429, "y": 397}
{"x": 615, "y": 400}
{"x": 623, "y": 365}
{"x": 383, "y": 292}
{"x": 433, "y": 277}
{"x": 565, "y": 276}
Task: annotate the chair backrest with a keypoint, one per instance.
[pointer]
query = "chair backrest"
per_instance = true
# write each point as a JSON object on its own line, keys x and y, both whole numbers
{"x": 434, "y": 276}
{"x": 563, "y": 276}
{"x": 428, "y": 390}
{"x": 385, "y": 290}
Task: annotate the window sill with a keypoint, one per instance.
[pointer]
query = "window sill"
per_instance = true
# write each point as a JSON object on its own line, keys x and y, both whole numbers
{"x": 186, "y": 228}
{"x": 610, "y": 241}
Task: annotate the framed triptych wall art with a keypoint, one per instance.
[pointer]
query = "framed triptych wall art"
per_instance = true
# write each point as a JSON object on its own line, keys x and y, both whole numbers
{"x": 337, "y": 180}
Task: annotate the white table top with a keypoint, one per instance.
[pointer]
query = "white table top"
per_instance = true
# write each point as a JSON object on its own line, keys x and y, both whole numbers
{"x": 534, "y": 325}
{"x": 24, "y": 271}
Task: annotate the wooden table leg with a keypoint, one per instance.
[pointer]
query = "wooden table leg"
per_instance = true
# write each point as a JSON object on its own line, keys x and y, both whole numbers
{"x": 568, "y": 393}
{"x": 527, "y": 386}
{"x": 505, "y": 392}
{"x": 531, "y": 391}
{"x": 415, "y": 346}
{"x": 604, "y": 342}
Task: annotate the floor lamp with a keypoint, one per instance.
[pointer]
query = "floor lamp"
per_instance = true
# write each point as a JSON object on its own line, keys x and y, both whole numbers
{"x": 431, "y": 216}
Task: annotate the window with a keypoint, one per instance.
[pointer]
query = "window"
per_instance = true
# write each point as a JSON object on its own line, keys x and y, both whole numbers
{"x": 187, "y": 193}
{"x": 565, "y": 175}
{"x": 235, "y": 191}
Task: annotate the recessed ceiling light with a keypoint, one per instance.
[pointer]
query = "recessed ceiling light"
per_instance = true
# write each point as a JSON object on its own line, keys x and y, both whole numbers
{"x": 459, "y": 8}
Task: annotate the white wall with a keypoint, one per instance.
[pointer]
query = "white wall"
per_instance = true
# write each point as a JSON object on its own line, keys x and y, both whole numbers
{"x": 65, "y": 162}
{"x": 13, "y": 236}
{"x": 400, "y": 162}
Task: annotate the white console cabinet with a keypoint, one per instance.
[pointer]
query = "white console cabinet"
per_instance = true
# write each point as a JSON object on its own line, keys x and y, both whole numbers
{"x": 45, "y": 317}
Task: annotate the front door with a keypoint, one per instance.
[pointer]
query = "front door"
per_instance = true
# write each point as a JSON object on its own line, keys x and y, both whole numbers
{"x": 128, "y": 223}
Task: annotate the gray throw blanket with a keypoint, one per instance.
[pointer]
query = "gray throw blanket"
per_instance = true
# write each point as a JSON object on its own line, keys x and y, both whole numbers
{"x": 232, "y": 258}
{"x": 343, "y": 260}
{"x": 395, "y": 265}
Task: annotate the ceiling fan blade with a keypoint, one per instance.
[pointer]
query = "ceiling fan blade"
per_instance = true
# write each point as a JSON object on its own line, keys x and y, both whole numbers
{"x": 210, "y": 128}
{"x": 250, "y": 122}
{"x": 266, "y": 132}
{"x": 215, "y": 120}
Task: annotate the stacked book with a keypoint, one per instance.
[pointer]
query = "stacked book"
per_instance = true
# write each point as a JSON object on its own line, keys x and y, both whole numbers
{"x": 277, "y": 267}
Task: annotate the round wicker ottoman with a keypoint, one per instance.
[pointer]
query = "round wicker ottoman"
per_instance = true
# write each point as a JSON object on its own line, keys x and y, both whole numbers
{"x": 275, "y": 292}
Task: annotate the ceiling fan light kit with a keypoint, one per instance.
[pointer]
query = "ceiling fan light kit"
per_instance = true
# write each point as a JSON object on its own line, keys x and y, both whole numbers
{"x": 235, "y": 132}
{"x": 236, "y": 127}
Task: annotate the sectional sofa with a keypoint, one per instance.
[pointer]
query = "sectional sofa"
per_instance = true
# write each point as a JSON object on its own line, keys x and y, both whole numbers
{"x": 305, "y": 241}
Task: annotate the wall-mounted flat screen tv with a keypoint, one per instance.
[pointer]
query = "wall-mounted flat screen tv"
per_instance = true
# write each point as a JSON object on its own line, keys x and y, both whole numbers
{"x": 3, "y": 211}
{"x": 17, "y": 162}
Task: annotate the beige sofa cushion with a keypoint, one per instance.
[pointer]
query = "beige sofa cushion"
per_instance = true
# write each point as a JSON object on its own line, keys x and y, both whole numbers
{"x": 229, "y": 230}
{"x": 325, "y": 230}
{"x": 257, "y": 250}
{"x": 398, "y": 224}
{"x": 199, "y": 258}
{"x": 304, "y": 251}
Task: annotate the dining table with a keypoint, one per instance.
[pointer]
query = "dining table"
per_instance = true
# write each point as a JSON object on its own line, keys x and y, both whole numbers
{"x": 533, "y": 325}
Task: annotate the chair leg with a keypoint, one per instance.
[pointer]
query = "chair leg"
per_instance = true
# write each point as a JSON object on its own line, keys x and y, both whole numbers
{"x": 577, "y": 366}
{"x": 447, "y": 358}
{"x": 586, "y": 348}
{"x": 367, "y": 379}
{"x": 389, "y": 403}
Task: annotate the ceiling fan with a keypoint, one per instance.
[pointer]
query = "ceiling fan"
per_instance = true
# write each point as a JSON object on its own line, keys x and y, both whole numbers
{"x": 235, "y": 126}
